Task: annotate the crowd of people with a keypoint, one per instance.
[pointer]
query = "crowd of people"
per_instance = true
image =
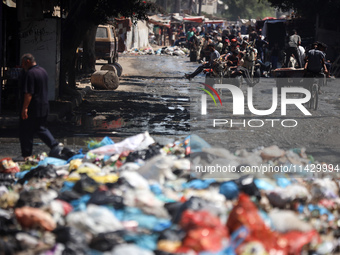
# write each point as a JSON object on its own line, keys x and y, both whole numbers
{"x": 232, "y": 46}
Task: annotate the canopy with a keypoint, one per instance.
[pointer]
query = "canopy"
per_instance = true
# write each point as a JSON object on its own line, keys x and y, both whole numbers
{"x": 267, "y": 18}
{"x": 194, "y": 19}
{"x": 156, "y": 20}
{"x": 214, "y": 21}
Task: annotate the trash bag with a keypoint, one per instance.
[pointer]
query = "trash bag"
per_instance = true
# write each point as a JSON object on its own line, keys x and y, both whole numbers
{"x": 229, "y": 190}
{"x": 69, "y": 195}
{"x": 6, "y": 180}
{"x": 73, "y": 239}
{"x": 85, "y": 185}
{"x": 247, "y": 185}
{"x": 296, "y": 240}
{"x": 94, "y": 144}
{"x": 39, "y": 172}
{"x": 7, "y": 248}
{"x": 196, "y": 143}
{"x": 130, "y": 249}
{"x": 172, "y": 234}
{"x": 106, "y": 198}
{"x": 205, "y": 231}
{"x": 245, "y": 214}
{"x": 107, "y": 241}
{"x": 194, "y": 204}
{"x": 151, "y": 151}
{"x": 30, "y": 217}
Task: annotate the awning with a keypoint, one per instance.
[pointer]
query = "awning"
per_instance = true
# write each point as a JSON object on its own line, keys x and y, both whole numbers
{"x": 194, "y": 19}
{"x": 267, "y": 18}
{"x": 214, "y": 21}
{"x": 156, "y": 20}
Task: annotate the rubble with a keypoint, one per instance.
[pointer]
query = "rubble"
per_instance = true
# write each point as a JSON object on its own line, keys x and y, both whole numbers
{"x": 140, "y": 197}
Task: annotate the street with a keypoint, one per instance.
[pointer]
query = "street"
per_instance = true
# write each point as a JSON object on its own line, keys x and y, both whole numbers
{"x": 153, "y": 96}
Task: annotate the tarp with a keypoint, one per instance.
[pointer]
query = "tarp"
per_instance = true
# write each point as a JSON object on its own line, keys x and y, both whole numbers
{"x": 194, "y": 19}
{"x": 159, "y": 21}
{"x": 214, "y": 21}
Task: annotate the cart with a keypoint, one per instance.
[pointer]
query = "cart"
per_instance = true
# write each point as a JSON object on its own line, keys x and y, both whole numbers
{"x": 293, "y": 77}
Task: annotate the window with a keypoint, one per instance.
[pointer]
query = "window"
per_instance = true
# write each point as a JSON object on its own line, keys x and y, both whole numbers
{"x": 101, "y": 32}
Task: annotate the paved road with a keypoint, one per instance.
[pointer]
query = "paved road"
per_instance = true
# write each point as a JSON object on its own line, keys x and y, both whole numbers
{"x": 154, "y": 97}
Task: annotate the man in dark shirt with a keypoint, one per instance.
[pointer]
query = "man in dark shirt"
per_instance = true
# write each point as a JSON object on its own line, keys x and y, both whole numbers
{"x": 315, "y": 60}
{"x": 214, "y": 54}
{"x": 34, "y": 106}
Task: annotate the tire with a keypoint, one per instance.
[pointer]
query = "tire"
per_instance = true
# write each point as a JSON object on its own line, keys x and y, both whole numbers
{"x": 119, "y": 69}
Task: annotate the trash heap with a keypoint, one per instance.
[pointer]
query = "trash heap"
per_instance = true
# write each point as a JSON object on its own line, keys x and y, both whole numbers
{"x": 138, "y": 197}
{"x": 141, "y": 51}
{"x": 172, "y": 51}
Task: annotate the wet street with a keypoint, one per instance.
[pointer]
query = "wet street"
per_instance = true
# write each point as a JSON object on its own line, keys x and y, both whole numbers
{"x": 154, "y": 97}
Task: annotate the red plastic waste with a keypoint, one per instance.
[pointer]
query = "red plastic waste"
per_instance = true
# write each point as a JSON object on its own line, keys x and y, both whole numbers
{"x": 245, "y": 213}
{"x": 205, "y": 231}
{"x": 8, "y": 166}
{"x": 30, "y": 217}
{"x": 296, "y": 240}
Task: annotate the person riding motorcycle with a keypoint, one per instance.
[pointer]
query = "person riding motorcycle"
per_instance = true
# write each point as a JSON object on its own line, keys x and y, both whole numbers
{"x": 315, "y": 65}
{"x": 214, "y": 54}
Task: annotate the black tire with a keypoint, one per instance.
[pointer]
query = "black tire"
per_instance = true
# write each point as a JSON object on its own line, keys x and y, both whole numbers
{"x": 119, "y": 69}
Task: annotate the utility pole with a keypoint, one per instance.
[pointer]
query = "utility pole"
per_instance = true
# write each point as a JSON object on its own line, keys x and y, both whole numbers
{"x": 178, "y": 6}
{"x": 190, "y": 6}
{"x": 165, "y": 4}
{"x": 199, "y": 7}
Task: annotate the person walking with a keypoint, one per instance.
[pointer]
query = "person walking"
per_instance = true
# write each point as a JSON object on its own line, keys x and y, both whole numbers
{"x": 34, "y": 107}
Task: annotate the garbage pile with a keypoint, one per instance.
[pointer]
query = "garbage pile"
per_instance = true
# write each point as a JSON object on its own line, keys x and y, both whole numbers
{"x": 172, "y": 51}
{"x": 138, "y": 197}
{"x": 141, "y": 51}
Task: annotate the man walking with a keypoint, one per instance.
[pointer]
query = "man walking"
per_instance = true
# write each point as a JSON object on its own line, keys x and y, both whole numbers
{"x": 34, "y": 106}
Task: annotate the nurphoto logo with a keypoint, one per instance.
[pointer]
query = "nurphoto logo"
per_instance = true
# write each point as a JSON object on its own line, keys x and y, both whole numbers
{"x": 238, "y": 105}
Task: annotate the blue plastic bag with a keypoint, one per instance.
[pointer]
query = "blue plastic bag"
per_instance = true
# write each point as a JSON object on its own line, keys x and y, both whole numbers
{"x": 229, "y": 190}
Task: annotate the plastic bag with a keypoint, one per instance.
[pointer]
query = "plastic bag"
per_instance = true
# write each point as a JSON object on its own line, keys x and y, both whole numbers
{"x": 245, "y": 213}
{"x": 196, "y": 143}
{"x": 106, "y": 198}
{"x": 205, "y": 231}
{"x": 73, "y": 239}
{"x": 94, "y": 144}
{"x": 39, "y": 172}
{"x": 140, "y": 141}
{"x": 29, "y": 217}
{"x": 107, "y": 241}
{"x": 85, "y": 185}
{"x": 229, "y": 190}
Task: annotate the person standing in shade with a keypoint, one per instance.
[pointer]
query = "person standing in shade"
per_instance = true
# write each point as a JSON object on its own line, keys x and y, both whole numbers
{"x": 34, "y": 107}
{"x": 294, "y": 42}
